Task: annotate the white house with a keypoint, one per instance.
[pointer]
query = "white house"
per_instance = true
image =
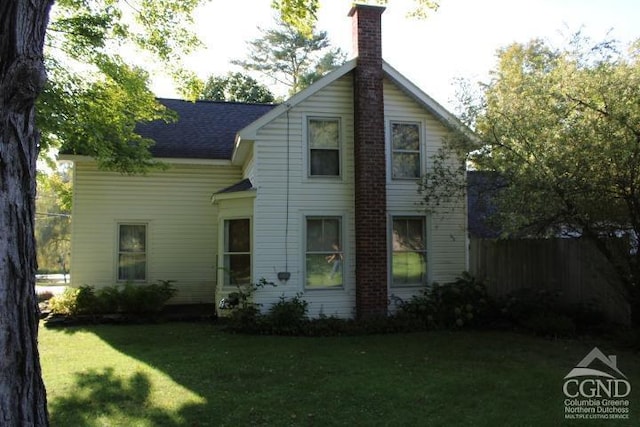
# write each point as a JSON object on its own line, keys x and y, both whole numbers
{"x": 320, "y": 190}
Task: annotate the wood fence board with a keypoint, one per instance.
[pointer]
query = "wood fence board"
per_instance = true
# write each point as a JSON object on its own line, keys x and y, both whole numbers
{"x": 571, "y": 268}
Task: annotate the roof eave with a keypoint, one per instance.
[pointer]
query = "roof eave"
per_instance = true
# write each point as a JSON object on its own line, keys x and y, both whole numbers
{"x": 171, "y": 160}
{"x": 218, "y": 197}
{"x": 241, "y": 150}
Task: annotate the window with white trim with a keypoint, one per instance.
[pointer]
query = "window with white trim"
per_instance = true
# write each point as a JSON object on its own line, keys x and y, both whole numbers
{"x": 132, "y": 252}
{"x": 406, "y": 155}
{"x": 323, "y": 137}
{"x": 324, "y": 252}
{"x": 237, "y": 252}
{"x": 409, "y": 251}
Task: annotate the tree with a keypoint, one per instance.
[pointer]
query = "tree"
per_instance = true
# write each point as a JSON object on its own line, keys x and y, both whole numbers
{"x": 302, "y": 14}
{"x": 235, "y": 87}
{"x": 53, "y": 219}
{"x": 562, "y": 130}
{"x": 290, "y": 58}
{"x": 94, "y": 98}
{"x": 22, "y": 77}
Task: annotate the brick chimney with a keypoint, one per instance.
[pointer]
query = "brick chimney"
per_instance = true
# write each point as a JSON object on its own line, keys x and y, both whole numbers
{"x": 370, "y": 164}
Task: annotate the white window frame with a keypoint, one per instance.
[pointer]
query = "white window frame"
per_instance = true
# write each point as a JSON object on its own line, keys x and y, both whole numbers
{"x": 425, "y": 251}
{"x": 419, "y": 152}
{"x": 307, "y": 151}
{"x": 120, "y": 252}
{"x": 224, "y": 252}
{"x": 342, "y": 233}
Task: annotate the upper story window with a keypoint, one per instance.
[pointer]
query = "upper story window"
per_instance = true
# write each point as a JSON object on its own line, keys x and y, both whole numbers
{"x": 132, "y": 252}
{"x": 405, "y": 150}
{"x": 323, "y": 136}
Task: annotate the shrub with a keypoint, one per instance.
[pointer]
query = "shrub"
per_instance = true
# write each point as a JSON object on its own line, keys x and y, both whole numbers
{"x": 108, "y": 300}
{"x": 287, "y": 316}
{"x": 461, "y": 303}
{"x": 128, "y": 299}
{"x": 245, "y": 319}
{"x": 145, "y": 299}
{"x": 65, "y": 303}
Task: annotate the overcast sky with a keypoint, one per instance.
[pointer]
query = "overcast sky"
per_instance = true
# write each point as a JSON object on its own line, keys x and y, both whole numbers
{"x": 459, "y": 40}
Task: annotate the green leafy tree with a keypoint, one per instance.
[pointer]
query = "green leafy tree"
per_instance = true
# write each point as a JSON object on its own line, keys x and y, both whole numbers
{"x": 302, "y": 14}
{"x": 290, "y": 58}
{"x": 95, "y": 98}
{"x": 236, "y": 87}
{"x": 561, "y": 127}
{"x": 53, "y": 219}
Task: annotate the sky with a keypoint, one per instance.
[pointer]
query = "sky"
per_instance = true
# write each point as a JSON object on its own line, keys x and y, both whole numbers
{"x": 460, "y": 40}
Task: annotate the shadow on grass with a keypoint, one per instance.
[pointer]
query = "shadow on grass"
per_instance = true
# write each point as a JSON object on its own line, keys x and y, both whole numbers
{"x": 447, "y": 378}
{"x": 100, "y": 398}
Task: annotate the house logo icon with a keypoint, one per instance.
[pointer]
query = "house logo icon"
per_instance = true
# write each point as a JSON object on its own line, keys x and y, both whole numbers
{"x": 582, "y": 369}
{"x": 596, "y": 388}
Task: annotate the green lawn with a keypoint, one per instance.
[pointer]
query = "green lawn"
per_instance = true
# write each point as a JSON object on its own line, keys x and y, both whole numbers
{"x": 192, "y": 374}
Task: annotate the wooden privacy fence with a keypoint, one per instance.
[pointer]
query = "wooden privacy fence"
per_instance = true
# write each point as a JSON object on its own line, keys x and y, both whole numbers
{"x": 572, "y": 268}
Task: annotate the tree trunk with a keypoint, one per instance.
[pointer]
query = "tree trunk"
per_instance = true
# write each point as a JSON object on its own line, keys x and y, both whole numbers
{"x": 22, "y": 30}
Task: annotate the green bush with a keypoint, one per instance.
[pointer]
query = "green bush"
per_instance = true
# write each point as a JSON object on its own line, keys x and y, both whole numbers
{"x": 108, "y": 300}
{"x": 461, "y": 303}
{"x": 65, "y": 303}
{"x": 245, "y": 319}
{"x": 541, "y": 312}
{"x": 287, "y": 316}
{"x": 145, "y": 299}
{"x": 128, "y": 298}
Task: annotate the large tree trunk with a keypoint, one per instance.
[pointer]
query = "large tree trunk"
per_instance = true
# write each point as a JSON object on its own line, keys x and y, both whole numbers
{"x": 22, "y": 30}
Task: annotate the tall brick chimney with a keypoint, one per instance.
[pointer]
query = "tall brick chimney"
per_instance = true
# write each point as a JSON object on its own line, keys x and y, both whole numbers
{"x": 370, "y": 163}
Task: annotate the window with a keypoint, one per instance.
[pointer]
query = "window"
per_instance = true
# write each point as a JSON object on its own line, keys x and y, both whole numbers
{"x": 409, "y": 255}
{"x": 237, "y": 252}
{"x": 324, "y": 146}
{"x": 324, "y": 254}
{"x": 132, "y": 252}
{"x": 405, "y": 150}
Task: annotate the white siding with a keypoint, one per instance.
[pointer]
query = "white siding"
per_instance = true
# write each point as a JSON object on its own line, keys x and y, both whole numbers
{"x": 182, "y": 224}
{"x": 446, "y": 231}
{"x": 306, "y": 196}
{"x": 446, "y": 234}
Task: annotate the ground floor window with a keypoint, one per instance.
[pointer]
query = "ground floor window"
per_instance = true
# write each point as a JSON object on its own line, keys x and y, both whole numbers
{"x": 324, "y": 252}
{"x": 132, "y": 252}
{"x": 237, "y": 252}
{"x": 409, "y": 254}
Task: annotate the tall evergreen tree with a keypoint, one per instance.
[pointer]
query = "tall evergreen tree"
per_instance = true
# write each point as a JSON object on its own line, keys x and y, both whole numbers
{"x": 288, "y": 57}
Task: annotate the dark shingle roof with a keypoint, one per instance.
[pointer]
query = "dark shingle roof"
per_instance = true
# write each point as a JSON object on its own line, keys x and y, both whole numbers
{"x": 243, "y": 185}
{"x": 204, "y": 130}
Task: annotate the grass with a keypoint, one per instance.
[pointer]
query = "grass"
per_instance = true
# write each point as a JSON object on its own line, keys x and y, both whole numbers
{"x": 192, "y": 374}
